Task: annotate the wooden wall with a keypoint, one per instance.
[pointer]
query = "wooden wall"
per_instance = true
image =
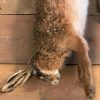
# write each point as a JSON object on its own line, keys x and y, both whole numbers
{"x": 16, "y": 30}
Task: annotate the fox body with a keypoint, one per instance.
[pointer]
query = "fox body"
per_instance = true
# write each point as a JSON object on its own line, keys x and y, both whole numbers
{"x": 58, "y": 31}
{"x": 57, "y": 24}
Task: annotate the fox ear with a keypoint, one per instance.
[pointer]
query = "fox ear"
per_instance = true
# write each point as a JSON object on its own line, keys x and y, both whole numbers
{"x": 15, "y": 80}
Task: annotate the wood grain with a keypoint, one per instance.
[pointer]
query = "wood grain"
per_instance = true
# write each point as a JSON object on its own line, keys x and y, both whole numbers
{"x": 69, "y": 88}
{"x": 36, "y": 89}
{"x": 94, "y": 7}
{"x": 16, "y": 31}
{"x": 93, "y": 38}
{"x": 16, "y": 25}
{"x": 17, "y": 38}
{"x": 28, "y": 7}
{"x": 17, "y": 6}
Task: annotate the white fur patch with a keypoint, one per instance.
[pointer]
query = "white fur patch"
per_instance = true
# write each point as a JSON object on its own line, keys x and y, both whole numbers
{"x": 78, "y": 14}
{"x": 51, "y": 72}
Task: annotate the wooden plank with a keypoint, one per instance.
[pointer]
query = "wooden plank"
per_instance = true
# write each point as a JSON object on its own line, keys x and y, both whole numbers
{"x": 17, "y": 6}
{"x": 94, "y": 7}
{"x": 93, "y": 38}
{"x": 28, "y": 7}
{"x": 17, "y": 38}
{"x": 16, "y": 49}
{"x": 35, "y": 89}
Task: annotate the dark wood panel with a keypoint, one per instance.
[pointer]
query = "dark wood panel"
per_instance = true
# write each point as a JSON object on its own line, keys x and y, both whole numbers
{"x": 93, "y": 38}
{"x": 94, "y": 7}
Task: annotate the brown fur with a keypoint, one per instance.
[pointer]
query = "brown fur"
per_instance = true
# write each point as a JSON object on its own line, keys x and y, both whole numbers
{"x": 55, "y": 38}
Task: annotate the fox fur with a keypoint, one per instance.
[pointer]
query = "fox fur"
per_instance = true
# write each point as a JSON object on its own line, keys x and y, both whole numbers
{"x": 59, "y": 29}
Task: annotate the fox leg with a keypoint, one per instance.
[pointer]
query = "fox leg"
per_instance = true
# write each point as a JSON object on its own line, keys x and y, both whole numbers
{"x": 84, "y": 68}
{"x": 80, "y": 47}
{"x": 80, "y": 72}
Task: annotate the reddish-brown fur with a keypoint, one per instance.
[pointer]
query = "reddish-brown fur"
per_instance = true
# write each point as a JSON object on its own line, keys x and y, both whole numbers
{"x": 55, "y": 38}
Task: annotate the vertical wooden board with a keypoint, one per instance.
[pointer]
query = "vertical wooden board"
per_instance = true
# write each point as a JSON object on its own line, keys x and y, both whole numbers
{"x": 94, "y": 7}
{"x": 93, "y": 38}
{"x": 17, "y": 6}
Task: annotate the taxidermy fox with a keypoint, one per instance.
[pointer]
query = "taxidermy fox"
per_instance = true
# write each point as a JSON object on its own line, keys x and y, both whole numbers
{"x": 59, "y": 29}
